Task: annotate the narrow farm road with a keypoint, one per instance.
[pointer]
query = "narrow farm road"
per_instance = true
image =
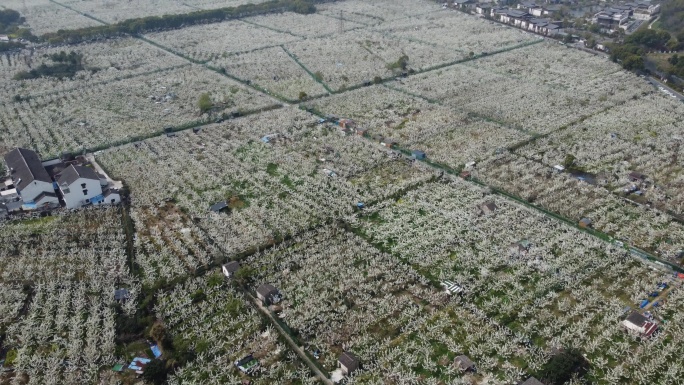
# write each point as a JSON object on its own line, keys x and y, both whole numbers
{"x": 651, "y": 24}
{"x": 293, "y": 345}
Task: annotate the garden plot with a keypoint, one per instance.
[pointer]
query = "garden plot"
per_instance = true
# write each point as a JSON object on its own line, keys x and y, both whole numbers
{"x": 456, "y": 85}
{"x": 274, "y": 70}
{"x": 360, "y": 12}
{"x": 587, "y": 317}
{"x": 391, "y": 114}
{"x": 102, "y": 62}
{"x": 300, "y": 178}
{"x": 421, "y": 55}
{"x": 540, "y": 283}
{"x": 621, "y": 140}
{"x": 114, "y": 11}
{"x": 219, "y": 40}
{"x": 458, "y": 329}
{"x": 554, "y": 65}
{"x": 208, "y": 317}
{"x": 542, "y": 109}
{"x": 361, "y": 301}
{"x": 88, "y": 245}
{"x": 441, "y": 228}
{"x": 340, "y": 61}
{"x": 63, "y": 270}
{"x": 122, "y": 110}
{"x": 311, "y": 25}
{"x": 564, "y": 194}
{"x": 363, "y": 11}
{"x": 67, "y": 335}
{"x": 472, "y": 140}
{"x": 457, "y": 31}
{"x": 44, "y": 16}
{"x": 213, "y": 4}
{"x": 407, "y": 7}
{"x": 169, "y": 244}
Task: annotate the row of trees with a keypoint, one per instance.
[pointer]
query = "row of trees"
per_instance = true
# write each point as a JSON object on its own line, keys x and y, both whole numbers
{"x": 65, "y": 65}
{"x": 156, "y": 23}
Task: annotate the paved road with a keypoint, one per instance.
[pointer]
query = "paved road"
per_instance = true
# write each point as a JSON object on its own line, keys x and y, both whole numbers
{"x": 657, "y": 83}
{"x": 651, "y": 24}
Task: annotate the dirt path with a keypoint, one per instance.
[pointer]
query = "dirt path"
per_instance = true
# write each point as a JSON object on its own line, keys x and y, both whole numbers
{"x": 293, "y": 345}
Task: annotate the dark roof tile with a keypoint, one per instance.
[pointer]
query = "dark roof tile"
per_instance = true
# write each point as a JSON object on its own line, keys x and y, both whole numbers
{"x": 25, "y": 167}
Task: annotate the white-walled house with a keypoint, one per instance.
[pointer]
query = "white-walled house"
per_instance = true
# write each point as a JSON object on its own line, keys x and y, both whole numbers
{"x": 31, "y": 181}
{"x": 110, "y": 197}
{"x": 640, "y": 324}
{"x": 80, "y": 186}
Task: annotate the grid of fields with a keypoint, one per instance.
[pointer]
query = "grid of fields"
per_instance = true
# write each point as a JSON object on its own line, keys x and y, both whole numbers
{"x": 360, "y": 159}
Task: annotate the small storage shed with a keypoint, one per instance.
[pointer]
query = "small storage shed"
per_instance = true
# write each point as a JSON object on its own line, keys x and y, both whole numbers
{"x": 348, "y": 363}
{"x": 230, "y": 268}
{"x": 417, "y": 154}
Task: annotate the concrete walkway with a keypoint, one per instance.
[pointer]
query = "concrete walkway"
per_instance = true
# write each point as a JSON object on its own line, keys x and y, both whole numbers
{"x": 117, "y": 184}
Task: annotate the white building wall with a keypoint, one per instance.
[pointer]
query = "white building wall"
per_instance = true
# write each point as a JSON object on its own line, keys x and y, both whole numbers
{"x": 30, "y": 192}
{"x": 112, "y": 199}
{"x": 632, "y": 326}
{"x": 76, "y": 198}
{"x": 50, "y": 201}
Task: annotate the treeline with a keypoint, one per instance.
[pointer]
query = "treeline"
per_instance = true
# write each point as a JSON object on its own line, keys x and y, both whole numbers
{"x": 10, "y": 24}
{"x": 157, "y": 23}
{"x": 677, "y": 65}
{"x": 631, "y": 53}
{"x": 672, "y": 16}
{"x": 10, "y": 20}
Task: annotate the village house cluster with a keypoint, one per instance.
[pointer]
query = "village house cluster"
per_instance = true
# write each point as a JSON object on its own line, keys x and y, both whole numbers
{"x": 526, "y": 15}
{"x": 619, "y": 16}
{"x": 72, "y": 182}
{"x": 545, "y": 18}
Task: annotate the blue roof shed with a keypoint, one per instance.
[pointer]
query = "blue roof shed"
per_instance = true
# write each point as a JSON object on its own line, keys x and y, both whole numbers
{"x": 418, "y": 154}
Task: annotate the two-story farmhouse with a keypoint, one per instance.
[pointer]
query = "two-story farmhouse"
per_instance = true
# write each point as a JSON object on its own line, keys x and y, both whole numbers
{"x": 31, "y": 181}
{"x": 80, "y": 186}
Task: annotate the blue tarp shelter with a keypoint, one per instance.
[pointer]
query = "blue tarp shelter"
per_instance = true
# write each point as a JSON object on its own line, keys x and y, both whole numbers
{"x": 156, "y": 351}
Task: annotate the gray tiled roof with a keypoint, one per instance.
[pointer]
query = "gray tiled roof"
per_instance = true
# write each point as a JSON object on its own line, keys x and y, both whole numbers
{"x": 25, "y": 167}
{"x": 72, "y": 173}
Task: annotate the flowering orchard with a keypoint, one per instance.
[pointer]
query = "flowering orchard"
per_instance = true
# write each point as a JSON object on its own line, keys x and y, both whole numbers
{"x": 310, "y": 26}
{"x": 113, "y": 11}
{"x": 539, "y": 283}
{"x": 212, "y": 319}
{"x": 44, "y": 16}
{"x": 622, "y": 140}
{"x": 274, "y": 70}
{"x": 360, "y": 301}
{"x": 562, "y": 193}
{"x": 102, "y": 63}
{"x": 60, "y": 274}
{"x": 122, "y": 110}
{"x": 219, "y": 40}
{"x": 305, "y": 175}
